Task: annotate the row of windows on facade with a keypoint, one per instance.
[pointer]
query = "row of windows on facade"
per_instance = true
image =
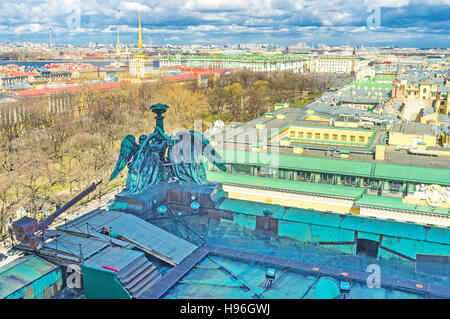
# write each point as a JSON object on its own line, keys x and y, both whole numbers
{"x": 333, "y": 62}
{"x": 416, "y": 86}
{"x": 424, "y": 91}
{"x": 423, "y": 96}
{"x": 324, "y": 178}
{"x": 334, "y": 137}
{"x": 259, "y": 65}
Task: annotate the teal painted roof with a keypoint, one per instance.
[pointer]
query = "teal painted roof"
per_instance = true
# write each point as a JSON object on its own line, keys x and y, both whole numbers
{"x": 415, "y": 174}
{"x": 21, "y": 272}
{"x": 396, "y": 203}
{"x": 348, "y": 222}
{"x": 326, "y": 288}
{"x": 251, "y": 208}
{"x": 283, "y": 184}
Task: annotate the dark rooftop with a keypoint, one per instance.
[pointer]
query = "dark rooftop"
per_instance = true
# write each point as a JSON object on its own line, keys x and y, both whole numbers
{"x": 412, "y": 128}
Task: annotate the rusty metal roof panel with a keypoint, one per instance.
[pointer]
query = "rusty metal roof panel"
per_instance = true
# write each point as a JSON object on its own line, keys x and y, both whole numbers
{"x": 68, "y": 244}
{"x": 92, "y": 224}
{"x": 132, "y": 230}
{"x": 151, "y": 238}
{"x": 115, "y": 257}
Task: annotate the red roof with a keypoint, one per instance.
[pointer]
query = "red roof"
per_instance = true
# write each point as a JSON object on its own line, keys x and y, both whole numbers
{"x": 192, "y": 73}
{"x": 17, "y": 74}
{"x": 179, "y": 77}
{"x": 199, "y": 70}
{"x": 69, "y": 89}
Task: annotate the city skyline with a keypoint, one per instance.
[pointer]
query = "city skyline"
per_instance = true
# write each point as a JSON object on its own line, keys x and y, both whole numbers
{"x": 226, "y": 150}
{"x": 420, "y": 24}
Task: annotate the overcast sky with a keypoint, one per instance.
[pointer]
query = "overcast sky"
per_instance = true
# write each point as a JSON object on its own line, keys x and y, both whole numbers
{"x": 407, "y": 23}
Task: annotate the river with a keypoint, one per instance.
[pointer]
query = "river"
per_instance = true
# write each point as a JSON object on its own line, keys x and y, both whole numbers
{"x": 40, "y": 64}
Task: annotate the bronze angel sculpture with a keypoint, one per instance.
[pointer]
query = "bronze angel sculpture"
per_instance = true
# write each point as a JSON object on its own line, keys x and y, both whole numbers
{"x": 157, "y": 157}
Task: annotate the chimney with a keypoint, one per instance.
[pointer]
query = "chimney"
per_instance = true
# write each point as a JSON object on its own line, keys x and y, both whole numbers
{"x": 267, "y": 218}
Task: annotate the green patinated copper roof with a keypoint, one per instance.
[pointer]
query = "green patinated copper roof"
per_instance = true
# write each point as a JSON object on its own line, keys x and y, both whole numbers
{"x": 383, "y": 77}
{"x": 287, "y": 185}
{"x": 413, "y": 173}
{"x": 238, "y": 57}
{"x": 384, "y": 171}
{"x": 295, "y": 162}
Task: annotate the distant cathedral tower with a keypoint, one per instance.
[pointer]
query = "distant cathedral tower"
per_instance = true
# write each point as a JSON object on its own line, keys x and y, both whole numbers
{"x": 140, "y": 45}
{"x": 353, "y": 73}
{"x": 140, "y": 64}
{"x": 118, "y": 52}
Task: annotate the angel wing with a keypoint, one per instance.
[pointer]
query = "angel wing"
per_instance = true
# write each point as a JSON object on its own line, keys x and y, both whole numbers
{"x": 185, "y": 156}
{"x": 128, "y": 149}
{"x": 208, "y": 150}
{"x": 146, "y": 169}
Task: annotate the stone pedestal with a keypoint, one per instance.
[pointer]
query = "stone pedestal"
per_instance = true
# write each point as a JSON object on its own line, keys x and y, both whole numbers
{"x": 178, "y": 196}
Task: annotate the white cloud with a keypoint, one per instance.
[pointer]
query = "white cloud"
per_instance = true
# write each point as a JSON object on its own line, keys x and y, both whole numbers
{"x": 215, "y": 5}
{"x": 222, "y": 19}
{"x": 135, "y": 6}
{"x": 202, "y": 28}
{"x": 387, "y": 3}
{"x": 360, "y": 29}
{"x": 33, "y": 27}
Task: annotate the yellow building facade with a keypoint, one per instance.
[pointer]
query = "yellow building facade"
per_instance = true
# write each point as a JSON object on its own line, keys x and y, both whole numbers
{"x": 324, "y": 135}
{"x": 140, "y": 64}
{"x": 442, "y": 103}
{"x": 421, "y": 91}
{"x": 411, "y": 140}
{"x": 305, "y": 201}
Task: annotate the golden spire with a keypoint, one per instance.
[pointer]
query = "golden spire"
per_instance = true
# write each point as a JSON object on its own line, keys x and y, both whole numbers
{"x": 118, "y": 53}
{"x": 140, "y": 45}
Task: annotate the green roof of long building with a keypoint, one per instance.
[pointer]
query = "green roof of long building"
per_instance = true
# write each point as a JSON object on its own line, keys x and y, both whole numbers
{"x": 319, "y": 189}
{"x": 374, "y": 170}
{"x": 240, "y": 57}
{"x": 286, "y": 185}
